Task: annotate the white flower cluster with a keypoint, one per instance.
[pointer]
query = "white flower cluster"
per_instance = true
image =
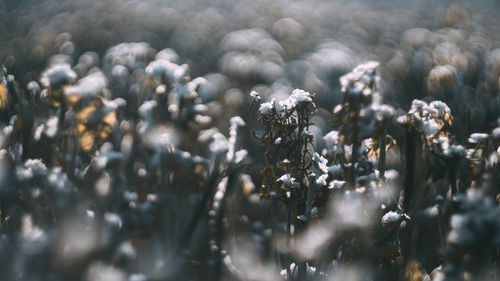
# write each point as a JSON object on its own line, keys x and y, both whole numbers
{"x": 131, "y": 55}
{"x": 91, "y": 85}
{"x": 360, "y": 81}
{"x": 428, "y": 118}
{"x": 298, "y": 98}
{"x": 361, "y": 106}
{"x": 58, "y": 76}
{"x": 447, "y": 149}
{"x": 288, "y": 181}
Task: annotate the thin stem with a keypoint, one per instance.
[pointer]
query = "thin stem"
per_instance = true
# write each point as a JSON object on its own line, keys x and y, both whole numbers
{"x": 309, "y": 202}
{"x": 381, "y": 160}
{"x": 200, "y": 207}
{"x": 288, "y": 238}
{"x": 274, "y": 222}
{"x": 355, "y": 148}
{"x": 452, "y": 178}
{"x": 62, "y": 111}
{"x": 410, "y": 145}
{"x": 302, "y": 274}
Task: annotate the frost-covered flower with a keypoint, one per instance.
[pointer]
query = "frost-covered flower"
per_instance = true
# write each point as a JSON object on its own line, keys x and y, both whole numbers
{"x": 320, "y": 162}
{"x": 477, "y": 137}
{"x": 474, "y": 233}
{"x": 430, "y": 119}
{"x": 255, "y": 96}
{"x": 132, "y": 55}
{"x": 89, "y": 86}
{"x": 267, "y": 107}
{"x": 288, "y": 181}
{"x": 57, "y": 76}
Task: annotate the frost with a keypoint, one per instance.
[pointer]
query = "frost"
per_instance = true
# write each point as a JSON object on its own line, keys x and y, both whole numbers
{"x": 321, "y": 162}
{"x": 449, "y": 150}
{"x": 29, "y": 231}
{"x": 162, "y": 69}
{"x": 299, "y": 97}
{"x": 48, "y": 128}
{"x": 402, "y": 119}
{"x": 33, "y": 87}
{"x": 240, "y": 155}
{"x": 267, "y": 107}
{"x": 137, "y": 277}
{"x": 496, "y": 133}
{"x": 167, "y": 54}
{"x": 332, "y": 137}
{"x": 477, "y": 137}
{"x": 286, "y": 179}
{"x": 160, "y": 137}
{"x": 384, "y": 112}
{"x": 32, "y": 168}
{"x": 235, "y": 122}
{"x": 359, "y": 81}
{"x": 57, "y": 76}
{"x": 255, "y": 96}
{"x": 90, "y": 85}
{"x": 429, "y": 119}
{"x": 218, "y": 143}
{"x": 429, "y": 127}
{"x": 335, "y": 170}
{"x": 336, "y": 184}
{"x": 332, "y": 143}
{"x": 321, "y": 180}
{"x": 391, "y": 218}
{"x": 441, "y": 108}
{"x": 432, "y": 211}
{"x": 131, "y": 55}
{"x": 104, "y": 272}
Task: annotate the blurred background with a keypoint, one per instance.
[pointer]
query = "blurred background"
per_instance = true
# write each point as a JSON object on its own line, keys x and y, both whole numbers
{"x": 305, "y": 44}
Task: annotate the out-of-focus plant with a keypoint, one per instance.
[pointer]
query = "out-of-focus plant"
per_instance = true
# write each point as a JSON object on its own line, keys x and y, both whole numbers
{"x": 362, "y": 120}
{"x": 431, "y": 123}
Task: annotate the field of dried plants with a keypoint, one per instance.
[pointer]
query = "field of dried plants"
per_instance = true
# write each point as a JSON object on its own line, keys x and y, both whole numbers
{"x": 251, "y": 140}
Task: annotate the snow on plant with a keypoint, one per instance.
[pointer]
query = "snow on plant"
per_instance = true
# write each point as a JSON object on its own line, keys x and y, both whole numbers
{"x": 175, "y": 93}
{"x": 289, "y": 174}
{"x": 430, "y": 120}
{"x": 287, "y": 140}
{"x": 124, "y": 167}
{"x": 362, "y": 122}
{"x": 338, "y": 181}
{"x": 474, "y": 234}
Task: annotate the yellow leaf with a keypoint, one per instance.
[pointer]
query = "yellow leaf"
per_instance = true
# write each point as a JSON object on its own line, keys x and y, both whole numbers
{"x": 110, "y": 118}
{"x": 3, "y": 96}
{"x": 87, "y": 141}
{"x": 83, "y": 114}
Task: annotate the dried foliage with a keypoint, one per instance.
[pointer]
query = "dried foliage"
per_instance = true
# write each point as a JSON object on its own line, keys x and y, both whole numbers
{"x": 292, "y": 140}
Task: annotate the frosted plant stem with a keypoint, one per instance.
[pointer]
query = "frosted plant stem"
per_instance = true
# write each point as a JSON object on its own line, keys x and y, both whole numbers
{"x": 288, "y": 234}
{"x": 381, "y": 160}
{"x": 410, "y": 146}
{"x": 274, "y": 222}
